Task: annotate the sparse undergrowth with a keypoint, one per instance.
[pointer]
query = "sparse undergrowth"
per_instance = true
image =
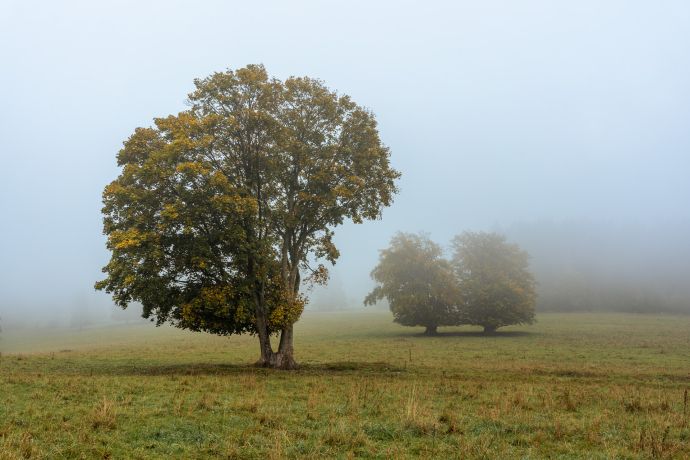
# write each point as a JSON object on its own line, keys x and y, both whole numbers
{"x": 573, "y": 386}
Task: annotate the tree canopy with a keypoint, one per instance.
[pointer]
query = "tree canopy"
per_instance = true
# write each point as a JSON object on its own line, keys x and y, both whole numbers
{"x": 487, "y": 283}
{"x": 497, "y": 287}
{"x": 418, "y": 283}
{"x": 218, "y": 208}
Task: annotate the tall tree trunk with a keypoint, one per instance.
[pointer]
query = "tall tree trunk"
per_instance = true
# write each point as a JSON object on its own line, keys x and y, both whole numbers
{"x": 489, "y": 330}
{"x": 285, "y": 350}
{"x": 430, "y": 330}
{"x": 283, "y": 358}
{"x": 264, "y": 338}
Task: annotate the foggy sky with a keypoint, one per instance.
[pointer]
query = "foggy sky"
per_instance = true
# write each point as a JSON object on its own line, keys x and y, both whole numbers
{"x": 494, "y": 112}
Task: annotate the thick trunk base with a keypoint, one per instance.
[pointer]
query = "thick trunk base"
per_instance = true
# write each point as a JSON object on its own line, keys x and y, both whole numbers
{"x": 431, "y": 330}
{"x": 278, "y": 360}
{"x": 489, "y": 330}
{"x": 283, "y": 358}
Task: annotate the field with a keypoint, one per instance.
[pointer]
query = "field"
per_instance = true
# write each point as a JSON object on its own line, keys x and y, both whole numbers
{"x": 590, "y": 385}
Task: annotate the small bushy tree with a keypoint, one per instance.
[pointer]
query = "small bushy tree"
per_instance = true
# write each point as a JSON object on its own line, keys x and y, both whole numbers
{"x": 417, "y": 282}
{"x": 497, "y": 287}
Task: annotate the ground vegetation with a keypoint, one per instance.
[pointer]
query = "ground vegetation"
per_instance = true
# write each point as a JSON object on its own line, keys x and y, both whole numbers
{"x": 573, "y": 386}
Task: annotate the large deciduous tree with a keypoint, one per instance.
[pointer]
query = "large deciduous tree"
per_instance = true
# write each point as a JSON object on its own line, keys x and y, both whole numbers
{"x": 418, "y": 283}
{"x": 497, "y": 287}
{"x": 218, "y": 209}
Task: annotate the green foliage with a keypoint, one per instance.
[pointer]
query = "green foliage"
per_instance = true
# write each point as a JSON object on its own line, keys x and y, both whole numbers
{"x": 497, "y": 287}
{"x": 417, "y": 282}
{"x": 174, "y": 227}
{"x": 218, "y": 208}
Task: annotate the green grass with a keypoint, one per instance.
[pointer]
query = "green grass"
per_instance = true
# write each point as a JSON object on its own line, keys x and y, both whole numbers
{"x": 572, "y": 386}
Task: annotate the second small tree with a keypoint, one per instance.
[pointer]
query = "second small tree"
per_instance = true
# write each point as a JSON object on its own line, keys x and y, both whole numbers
{"x": 497, "y": 287}
{"x": 418, "y": 283}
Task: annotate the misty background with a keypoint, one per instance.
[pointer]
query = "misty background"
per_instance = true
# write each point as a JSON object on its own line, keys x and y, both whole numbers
{"x": 563, "y": 125}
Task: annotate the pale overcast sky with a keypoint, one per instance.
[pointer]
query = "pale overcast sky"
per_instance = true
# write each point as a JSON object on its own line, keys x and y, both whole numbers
{"x": 494, "y": 111}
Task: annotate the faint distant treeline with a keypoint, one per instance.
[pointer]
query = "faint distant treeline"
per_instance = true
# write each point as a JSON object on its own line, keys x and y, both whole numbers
{"x": 584, "y": 266}
{"x": 82, "y": 314}
{"x": 331, "y": 297}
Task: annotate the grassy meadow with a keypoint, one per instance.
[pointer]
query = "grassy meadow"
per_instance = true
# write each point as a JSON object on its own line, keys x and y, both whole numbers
{"x": 594, "y": 385}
